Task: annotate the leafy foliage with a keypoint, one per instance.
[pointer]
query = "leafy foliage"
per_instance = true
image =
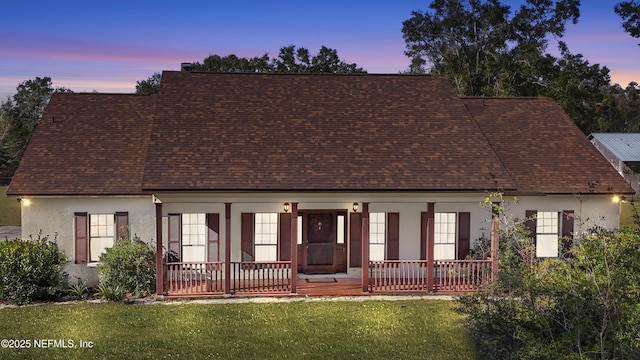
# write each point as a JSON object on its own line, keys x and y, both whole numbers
{"x": 629, "y": 11}
{"x": 582, "y": 306}
{"x": 128, "y": 267}
{"x": 290, "y": 60}
{"x": 31, "y": 270}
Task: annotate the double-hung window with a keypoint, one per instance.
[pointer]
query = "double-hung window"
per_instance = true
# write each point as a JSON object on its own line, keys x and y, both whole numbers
{"x": 194, "y": 229}
{"x": 102, "y": 232}
{"x": 377, "y": 236}
{"x": 266, "y": 236}
{"x": 547, "y": 233}
{"x": 444, "y": 236}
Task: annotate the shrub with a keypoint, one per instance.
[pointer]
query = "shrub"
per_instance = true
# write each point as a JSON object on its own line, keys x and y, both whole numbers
{"x": 110, "y": 293}
{"x": 129, "y": 266}
{"x": 79, "y": 290}
{"x": 31, "y": 270}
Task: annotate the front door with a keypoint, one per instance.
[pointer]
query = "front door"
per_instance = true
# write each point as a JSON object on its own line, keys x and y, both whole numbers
{"x": 323, "y": 248}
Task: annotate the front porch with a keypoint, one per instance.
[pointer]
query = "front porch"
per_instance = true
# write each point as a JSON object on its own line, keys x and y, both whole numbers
{"x": 290, "y": 277}
{"x": 275, "y": 279}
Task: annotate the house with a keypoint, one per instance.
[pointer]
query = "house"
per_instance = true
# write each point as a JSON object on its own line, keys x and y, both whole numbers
{"x": 262, "y": 183}
{"x": 623, "y": 153}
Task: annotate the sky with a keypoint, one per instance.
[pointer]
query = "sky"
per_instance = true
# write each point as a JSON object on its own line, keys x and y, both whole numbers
{"x": 108, "y": 46}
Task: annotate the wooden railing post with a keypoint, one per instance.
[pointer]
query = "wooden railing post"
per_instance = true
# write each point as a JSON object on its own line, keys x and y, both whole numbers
{"x": 159, "y": 257}
{"x": 227, "y": 248}
{"x": 294, "y": 247}
{"x": 365, "y": 247}
{"x": 494, "y": 246}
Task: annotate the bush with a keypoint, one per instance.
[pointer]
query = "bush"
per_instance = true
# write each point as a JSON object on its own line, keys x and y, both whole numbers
{"x": 130, "y": 267}
{"x": 31, "y": 270}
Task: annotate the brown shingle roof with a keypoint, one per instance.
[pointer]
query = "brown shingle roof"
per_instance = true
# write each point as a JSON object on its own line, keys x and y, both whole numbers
{"x": 542, "y": 148}
{"x": 315, "y": 132}
{"x": 209, "y": 132}
{"x": 87, "y": 144}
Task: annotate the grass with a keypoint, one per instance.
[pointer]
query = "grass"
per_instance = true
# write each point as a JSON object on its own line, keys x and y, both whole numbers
{"x": 300, "y": 330}
{"x": 626, "y": 214}
{"x": 9, "y": 209}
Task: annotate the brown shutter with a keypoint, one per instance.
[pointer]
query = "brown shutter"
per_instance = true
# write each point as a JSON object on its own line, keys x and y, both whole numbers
{"x": 393, "y": 236}
{"x": 246, "y": 236}
{"x": 174, "y": 238}
{"x": 531, "y": 222}
{"x": 464, "y": 235}
{"x": 285, "y": 237}
{"x": 567, "y": 230}
{"x": 81, "y": 238}
{"x": 213, "y": 237}
{"x": 122, "y": 226}
{"x": 355, "y": 239}
{"x": 423, "y": 235}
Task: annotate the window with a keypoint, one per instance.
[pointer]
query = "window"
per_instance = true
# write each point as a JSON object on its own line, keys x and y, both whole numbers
{"x": 266, "y": 236}
{"x": 444, "y": 236}
{"x": 547, "y": 231}
{"x": 194, "y": 228}
{"x": 377, "y": 236}
{"x": 101, "y": 234}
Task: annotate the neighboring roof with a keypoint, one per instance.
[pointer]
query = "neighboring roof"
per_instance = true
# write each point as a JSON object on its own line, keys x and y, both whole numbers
{"x": 230, "y": 131}
{"x": 626, "y": 147}
{"x": 307, "y": 132}
{"x": 87, "y": 144}
{"x": 542, "y": 148}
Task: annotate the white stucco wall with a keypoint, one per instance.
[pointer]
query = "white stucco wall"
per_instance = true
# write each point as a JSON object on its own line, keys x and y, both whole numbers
{"x": 56, "y": 215}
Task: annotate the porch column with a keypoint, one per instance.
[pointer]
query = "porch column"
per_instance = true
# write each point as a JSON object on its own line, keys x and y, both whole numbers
{"x": 294, "y": 247}
{"x": 365, "y": 247}
{"x": 430, "y": 244}
{"x": 227, "y": 248}
{"x": 494, "y": 243}
{"x": 159, "y": 257}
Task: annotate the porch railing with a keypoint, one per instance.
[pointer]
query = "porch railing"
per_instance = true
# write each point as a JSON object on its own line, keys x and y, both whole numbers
{"x": 261, "y": 277}
{"x": 461, "y": 275}
{"x": 411, "y": 275}
{"x": 184, "y": 278}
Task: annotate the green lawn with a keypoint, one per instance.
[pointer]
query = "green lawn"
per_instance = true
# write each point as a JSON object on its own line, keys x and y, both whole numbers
{"x": 9, "y": 209}
{"x": 626, "y": 214}
{"x": 417, "y": 329}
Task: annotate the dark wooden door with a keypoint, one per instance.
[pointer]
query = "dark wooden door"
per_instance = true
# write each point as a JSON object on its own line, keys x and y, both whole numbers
{"x": 321, "y": 252}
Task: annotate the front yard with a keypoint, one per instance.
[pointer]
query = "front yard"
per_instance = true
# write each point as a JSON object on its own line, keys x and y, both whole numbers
{"x": 416, "y": 329}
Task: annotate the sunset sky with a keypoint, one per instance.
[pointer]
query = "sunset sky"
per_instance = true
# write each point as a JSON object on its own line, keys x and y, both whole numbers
{"x": 108, "y": 46}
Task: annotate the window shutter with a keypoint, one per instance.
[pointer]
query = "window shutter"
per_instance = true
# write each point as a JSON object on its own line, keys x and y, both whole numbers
{"x": 174, "y": 238}
{"x": 531, "y": 222}
{"x": 567, "y": 230}
{"x": 246, "y": 236}
{"x": 122, "y": 226}
{"x": 213, "y": 237}
{"x": 355, "y": 239}
{"x": 285, "y": 237}
{"x": 81, "y": 238}
{"x": 464, "y": 235}
{"x": 393, "y": 236}
{"x": 423, "y": 235}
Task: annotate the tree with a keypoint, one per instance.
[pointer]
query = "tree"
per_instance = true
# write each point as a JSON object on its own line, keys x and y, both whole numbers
{"x": 290, "y": 60}
{"x": 629, "y": 11}
{"x": 482, "y": 48}
{"x": 19, "y": 117}
{"x": 149, "y": 86}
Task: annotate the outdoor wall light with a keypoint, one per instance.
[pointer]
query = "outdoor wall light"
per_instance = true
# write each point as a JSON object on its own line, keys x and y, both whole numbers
{"x": 356, "y": 206}
{"x": 616, "y": 198}
{"x": 286, "y": 207}
{"x": 25, "y": 202}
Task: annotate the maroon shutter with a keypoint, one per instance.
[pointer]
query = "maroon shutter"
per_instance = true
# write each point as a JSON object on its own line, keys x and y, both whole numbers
{"x": 423, "y": 235}
{"x": 393, "y": 236}
{"x": 81, "y": 238}
{"x": 174, "y": 237}
{"x": 464, "y": 235}
{"x": 246, "y": 236}
{"x": 285, "y": 237}
{"x": 122, "y": 226}
{"x": 531, "y": 222}
{"x": 355, "y": 239}
{"x": 567, "y": 230}
{"x": 213, "y": 237}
